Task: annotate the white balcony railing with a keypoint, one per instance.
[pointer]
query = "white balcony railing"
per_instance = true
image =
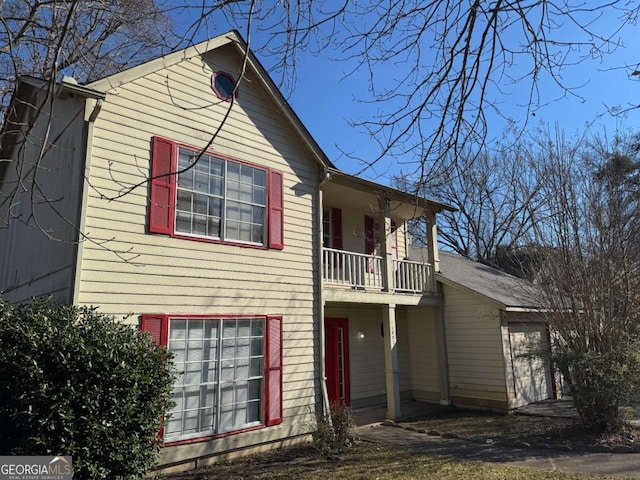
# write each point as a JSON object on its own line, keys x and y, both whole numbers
{"x": 413, "y": 277}
{"x": 362, "y": 271}
{"x": 353, "y": 269}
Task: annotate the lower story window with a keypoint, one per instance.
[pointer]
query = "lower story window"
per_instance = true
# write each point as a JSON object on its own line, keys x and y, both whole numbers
{"x": 221, "y": 375}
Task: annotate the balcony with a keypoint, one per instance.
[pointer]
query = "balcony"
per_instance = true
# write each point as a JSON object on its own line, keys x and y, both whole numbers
{"x": 365, "y": 272}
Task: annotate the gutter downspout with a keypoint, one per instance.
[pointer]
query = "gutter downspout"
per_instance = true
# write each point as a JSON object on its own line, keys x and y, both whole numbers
{"x": 323, "y": 374}
{"x": 90, "y": 115}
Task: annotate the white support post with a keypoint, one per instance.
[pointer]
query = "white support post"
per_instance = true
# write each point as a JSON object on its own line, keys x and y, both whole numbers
{"x": 432, "y": 241}
{"x": 386, "y": 245}
{"x": 392, "y": 377}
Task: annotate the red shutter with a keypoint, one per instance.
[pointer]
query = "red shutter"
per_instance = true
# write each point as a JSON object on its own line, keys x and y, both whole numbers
{"x": 156, "y": 326}
{"x": 369, "y": 235}
{"x": 336, "y": 228}
{"x": 276, "y": 210}
{"x": 274, "y": 371}
{"x": 161, "y": 196}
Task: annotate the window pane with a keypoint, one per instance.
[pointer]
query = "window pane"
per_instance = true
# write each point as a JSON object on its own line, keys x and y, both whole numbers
{"x": 193, "y": 375}
{"x": 241, "y": 392}
{"x": 244, "y": 328}
{"x": 233, "y": 171}
{"x": 195, "y": 352}
{"x": 257, "y": 234}
{"x": 183, "y": 222}
{"x": 246, "y": 192}
{"x": 229, "y": 329}
{"x": 207, "y": 419}
{"x": 246, "y": 174}
{"x": 199, "y": 224}
{"x": 242, "y": 348}
{"x": 227, "y": 372}
{"x": 215, "y": 186}
{"x": 240, "y": 415}
{"x": 256, "y": 327}
{"x": 178, "y": 398}
{"x": 191, "y": 421}
{"x": 245, "y": 232}
{"x": 259, "y": 196}
{"x": 253, "y": 412}
{"x": 256, "y": 347}
{"x": 226, "y": 419}
{"x": 255, "y": 389}
{"x": 184, "y": 201}
{"x": 245, "y": 213}
{"x": 233, "y": 211}
{"x": 200, "y": 204}
{"x": 191, "y": 397}
{"x": 216, "y": 167}
{"x": 256, "y": 367}
{"x": 173, "y": 426}
{"x": 213, "y": 227}
{"x": 259, "y": 177}
{"x": 226, "y": 393}
{"x": 195, "y": 329}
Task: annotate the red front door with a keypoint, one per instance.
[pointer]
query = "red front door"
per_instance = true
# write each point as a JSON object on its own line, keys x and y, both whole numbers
{"x": 337, "y": 360}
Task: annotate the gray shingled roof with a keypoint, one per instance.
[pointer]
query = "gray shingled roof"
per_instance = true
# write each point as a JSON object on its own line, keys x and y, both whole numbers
{"x": 508, "y": 291}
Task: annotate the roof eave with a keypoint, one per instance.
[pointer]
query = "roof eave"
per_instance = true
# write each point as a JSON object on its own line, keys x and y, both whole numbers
{"x": 389, "y": 192}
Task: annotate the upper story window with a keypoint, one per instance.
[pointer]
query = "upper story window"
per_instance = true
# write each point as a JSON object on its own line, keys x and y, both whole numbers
{"x": 221, "y": 199}
{"x": 216, "y": 199}
{"x": 224, "y": 86}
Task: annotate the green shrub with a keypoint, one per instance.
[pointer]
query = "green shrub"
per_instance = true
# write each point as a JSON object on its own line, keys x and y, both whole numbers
{"x": 332, "y": 438}
{"x": 76, "y": 382}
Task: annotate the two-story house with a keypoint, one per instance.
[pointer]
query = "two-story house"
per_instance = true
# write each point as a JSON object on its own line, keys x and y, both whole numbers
{"x": 280, "y": 283}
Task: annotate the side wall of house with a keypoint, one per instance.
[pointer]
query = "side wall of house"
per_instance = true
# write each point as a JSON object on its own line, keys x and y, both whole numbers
{"x": 129, "y": 272}
{"x": 474, "y": 347}
{"x": 423, "y": 353}
{"x": 40, "y": 197}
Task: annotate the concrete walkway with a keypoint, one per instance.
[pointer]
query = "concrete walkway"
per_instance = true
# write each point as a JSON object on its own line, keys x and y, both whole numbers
{"x": 621, "y": 464}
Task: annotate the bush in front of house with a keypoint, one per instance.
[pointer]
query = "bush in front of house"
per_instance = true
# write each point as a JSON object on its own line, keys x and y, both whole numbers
{"x": 77, "y": 382}
{"x": 334, "y": 434}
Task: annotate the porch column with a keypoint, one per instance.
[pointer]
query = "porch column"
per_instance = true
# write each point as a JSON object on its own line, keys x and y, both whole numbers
{"x": 432, "y": 241}
{"x": 386, "y": 241}
{"x": 392, "y": 377}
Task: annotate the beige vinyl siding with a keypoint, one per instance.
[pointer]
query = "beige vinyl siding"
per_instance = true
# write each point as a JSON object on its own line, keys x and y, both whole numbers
{"x": 37, "y": 250}
{"x": 474, "y": 348}
{"x": 127, "y": 271}
{"x": 423, "y": 353}
{"x": 353, "y": 239}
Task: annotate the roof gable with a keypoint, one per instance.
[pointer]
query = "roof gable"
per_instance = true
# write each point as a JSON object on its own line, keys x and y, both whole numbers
{"x": 201, "y": 49}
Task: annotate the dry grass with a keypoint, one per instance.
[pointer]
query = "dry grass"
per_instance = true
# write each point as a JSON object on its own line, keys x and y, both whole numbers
{"x": 367, "y": 461}
{"x": 520, "y": 428}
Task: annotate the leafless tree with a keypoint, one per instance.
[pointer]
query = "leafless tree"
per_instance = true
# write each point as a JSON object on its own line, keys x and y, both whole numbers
{"x": 453, "y": 63}
{"x": 496, "y": 194}
{"x": 82, "y": 39}
{"x": 589, "y": 275}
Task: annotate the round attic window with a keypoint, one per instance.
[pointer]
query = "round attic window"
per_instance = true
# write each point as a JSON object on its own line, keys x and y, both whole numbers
{"x": 223, "y": 85}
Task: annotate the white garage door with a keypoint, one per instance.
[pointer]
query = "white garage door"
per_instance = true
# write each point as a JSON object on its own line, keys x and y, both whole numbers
{"x": 531, "y": 375}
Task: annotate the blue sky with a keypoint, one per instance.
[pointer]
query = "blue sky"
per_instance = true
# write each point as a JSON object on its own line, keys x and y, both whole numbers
{"x": 326, "y": 99}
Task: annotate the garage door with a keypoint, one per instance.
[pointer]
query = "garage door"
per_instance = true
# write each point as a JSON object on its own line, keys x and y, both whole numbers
{"x": 531, "y": 375}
